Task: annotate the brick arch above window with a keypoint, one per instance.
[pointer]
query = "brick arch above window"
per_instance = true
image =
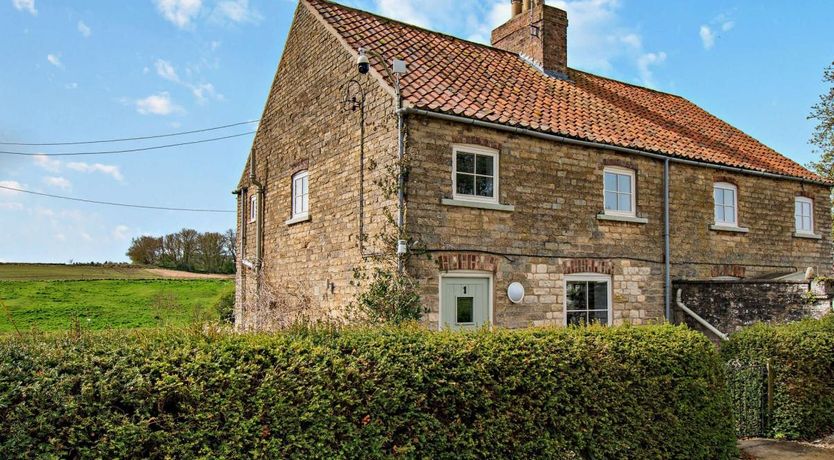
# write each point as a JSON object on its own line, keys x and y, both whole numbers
{"x": 620, "y": 163}
{"x": 477, "y": 141}
{"x": 601, "y": 266}
{"x": 299, "y": 166}
{"x": 725, "y": 179}
{"x": 458, "y": 261}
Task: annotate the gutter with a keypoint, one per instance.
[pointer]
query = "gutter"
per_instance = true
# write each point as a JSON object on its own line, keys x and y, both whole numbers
{"x": 567, "y": 140}
{"x": 700, "y": 320}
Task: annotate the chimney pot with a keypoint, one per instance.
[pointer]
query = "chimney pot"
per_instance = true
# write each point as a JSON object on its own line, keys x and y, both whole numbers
{"x": 526, "y": 6}
{"x": 516, "y": 8}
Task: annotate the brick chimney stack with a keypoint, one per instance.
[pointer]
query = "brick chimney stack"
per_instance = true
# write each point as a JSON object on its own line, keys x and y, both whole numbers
{"x": 539, "y": 32}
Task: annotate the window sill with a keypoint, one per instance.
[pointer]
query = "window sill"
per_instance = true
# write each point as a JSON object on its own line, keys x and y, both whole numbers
{"x": 726, "y": 228}
{"x": 478, "y": 205}
{"x": 298, "y": 219}
{"x": 807, "y": 236}
{"x": 617, "y": 218}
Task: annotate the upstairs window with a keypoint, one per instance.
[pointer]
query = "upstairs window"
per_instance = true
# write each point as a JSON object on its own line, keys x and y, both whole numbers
{"x": 726, "y": 204}
{"x": 300, "y": 195}
{"x": 253, "y": 208}
{"x": 619, "y": 191}
{"x": 804, "y": 215}
{"x": 475, "y": 174}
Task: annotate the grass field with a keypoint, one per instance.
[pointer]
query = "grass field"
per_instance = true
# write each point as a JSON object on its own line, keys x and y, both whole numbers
{"x": 45, "y": 272}
{"x": 58, "y": 297}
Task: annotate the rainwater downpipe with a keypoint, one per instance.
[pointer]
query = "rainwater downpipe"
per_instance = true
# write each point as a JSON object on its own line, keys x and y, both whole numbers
{"x": 402, "y": 247}
{"x": 667, "y": 246}
{"x": 698, "y": 318}
{"x": 258, "y": 220}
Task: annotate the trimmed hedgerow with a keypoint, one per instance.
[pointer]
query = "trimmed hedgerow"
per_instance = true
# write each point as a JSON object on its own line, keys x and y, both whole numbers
{"x": 801, "y": 358}
{"x": 649, "y": 393}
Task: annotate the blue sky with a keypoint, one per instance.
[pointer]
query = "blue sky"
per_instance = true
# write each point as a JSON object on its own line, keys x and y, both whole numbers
{"x": 100, "y": 69}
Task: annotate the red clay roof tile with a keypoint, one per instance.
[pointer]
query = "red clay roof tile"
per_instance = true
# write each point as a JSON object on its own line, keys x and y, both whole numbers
{"x": 450, "y": 75}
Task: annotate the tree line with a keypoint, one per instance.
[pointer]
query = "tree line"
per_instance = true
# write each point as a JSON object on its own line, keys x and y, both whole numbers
{"x": 188, "y": 250}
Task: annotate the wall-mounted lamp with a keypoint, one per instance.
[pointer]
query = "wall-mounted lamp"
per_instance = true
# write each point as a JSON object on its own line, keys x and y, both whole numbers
{"x": 515, "y": 292}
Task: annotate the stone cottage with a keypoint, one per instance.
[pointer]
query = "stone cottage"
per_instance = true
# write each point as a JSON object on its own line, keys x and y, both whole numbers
{"x": 587, "y": 195}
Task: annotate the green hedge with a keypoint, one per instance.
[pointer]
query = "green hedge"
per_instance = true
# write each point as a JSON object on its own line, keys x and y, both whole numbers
{"x": 598, "y": 393}
{"x": 801, "y": 358}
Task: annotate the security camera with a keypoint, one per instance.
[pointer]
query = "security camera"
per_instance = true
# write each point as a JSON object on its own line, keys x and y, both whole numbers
{"x": 363, "y": 63}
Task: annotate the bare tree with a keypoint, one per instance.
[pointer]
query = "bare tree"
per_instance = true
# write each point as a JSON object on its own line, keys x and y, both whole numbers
{"x": 211, "y": 247}
{"x": 145, "y": 250}
{"x": 230, "y": 242}
{"x": 188, "y": 242}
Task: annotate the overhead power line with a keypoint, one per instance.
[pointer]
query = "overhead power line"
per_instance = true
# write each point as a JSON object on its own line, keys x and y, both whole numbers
{"x": 123, "y": 205}
{"x": 126, "y": 139}
{"x": 113, "y": 152}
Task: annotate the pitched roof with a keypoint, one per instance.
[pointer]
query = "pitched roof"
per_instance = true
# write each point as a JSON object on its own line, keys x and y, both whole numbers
{"x": 454, "y": 76}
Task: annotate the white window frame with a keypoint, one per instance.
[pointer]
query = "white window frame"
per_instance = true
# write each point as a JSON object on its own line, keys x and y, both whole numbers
{"x": 623, "y": 172}
{"x": 253, "y": 207}
{"x": 589, "y": 277}
{"x": 810, "y": 202}
{"x": 300, "y": 214}
{"x": 477, "y": 150}
{"x": 725, "y": 186}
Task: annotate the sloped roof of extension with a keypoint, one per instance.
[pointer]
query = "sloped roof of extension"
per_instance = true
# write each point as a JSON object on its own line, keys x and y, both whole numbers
{"x": 453, "y": 76}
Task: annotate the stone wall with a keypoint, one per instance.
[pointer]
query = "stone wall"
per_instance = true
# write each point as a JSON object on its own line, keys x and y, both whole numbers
{"x": 556, "y": 193}
{"x": 730, "y": 305}
{"x": 307, "y": 267}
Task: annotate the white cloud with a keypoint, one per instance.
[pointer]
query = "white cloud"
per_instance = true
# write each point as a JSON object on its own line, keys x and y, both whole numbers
{"x": 47, "y": 163}
{"x": 166, "y": 71}
{"x": 84, "y": 29}
{"x": 59, "y": 182}
{"x": 708, "y": 33}
{"x": 179, "y": 12}
{"x": 60, "y": 237}
{"x": 205, "y": 91}
{"x": 157, "y": 104}
{"x": 201, "y": 91}
{"x": 86, "y": 236}
{"x": 121, "y": 232}
{"x": 646, "y": 62}
{"x": 55, "y": 60}
{"x": 11, "y": 206}
{"x": 237, "y": 11}
{"x": 707, "y": 37}
{"x": 110, "y": 170}
{"x": 71, "y": 85}
{"x": 25, "y": 5}
{"x": 404, "y": 10}
{"x": 12, "y": 184}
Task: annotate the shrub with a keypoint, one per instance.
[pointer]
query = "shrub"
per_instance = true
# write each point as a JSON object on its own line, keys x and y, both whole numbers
{"x": 226, "y": 306}
{"x": 801, "y": 358}
{"x": 647, "y": 393}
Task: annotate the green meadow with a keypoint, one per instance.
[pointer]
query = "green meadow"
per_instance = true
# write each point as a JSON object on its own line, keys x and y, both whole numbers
{"x": 49, "y": 304}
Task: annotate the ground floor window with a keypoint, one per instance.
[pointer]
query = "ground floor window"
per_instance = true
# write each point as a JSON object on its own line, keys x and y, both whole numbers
{"x": 588, "y": 299}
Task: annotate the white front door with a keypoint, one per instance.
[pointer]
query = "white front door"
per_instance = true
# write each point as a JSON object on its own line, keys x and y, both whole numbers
{"x": 464, "y": 302}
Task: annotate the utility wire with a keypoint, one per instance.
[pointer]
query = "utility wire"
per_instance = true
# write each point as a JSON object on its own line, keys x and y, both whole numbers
{"x": 112, "y": 152}
{"x": 124, "y": 205}
{"x": 142, "y": 138}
